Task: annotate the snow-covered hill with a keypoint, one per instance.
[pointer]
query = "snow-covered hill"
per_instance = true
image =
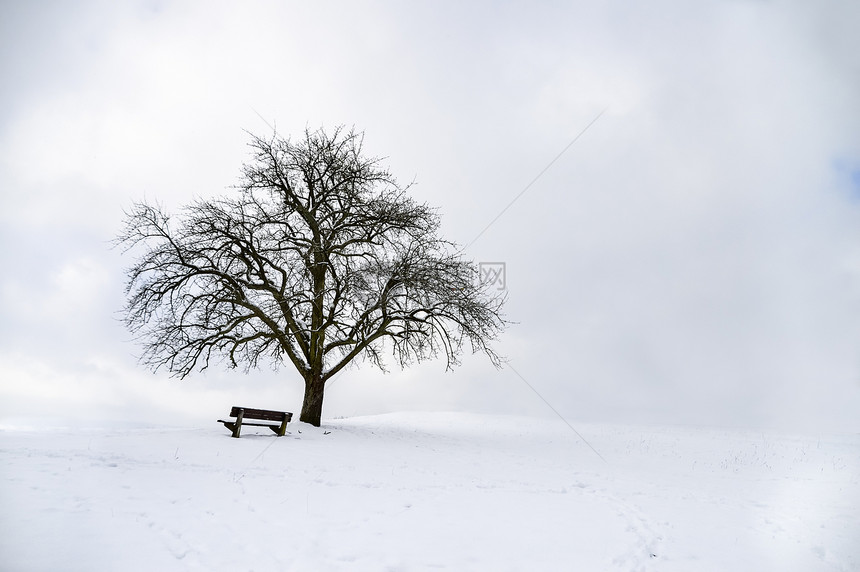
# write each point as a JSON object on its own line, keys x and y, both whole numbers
{"x": 428, "y": 491}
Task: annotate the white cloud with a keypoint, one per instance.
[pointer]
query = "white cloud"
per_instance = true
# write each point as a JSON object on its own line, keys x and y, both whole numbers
{"x": 693, "y": 256}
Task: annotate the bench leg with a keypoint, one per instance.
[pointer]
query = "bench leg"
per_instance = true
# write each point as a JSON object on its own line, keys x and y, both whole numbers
{"x": 237, "y": 427}
{"x": 279, "y": 430}
{"x": 233, "y": 427}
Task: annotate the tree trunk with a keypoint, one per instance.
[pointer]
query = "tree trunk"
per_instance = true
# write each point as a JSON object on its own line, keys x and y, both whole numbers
{"x": 313, "y": 402}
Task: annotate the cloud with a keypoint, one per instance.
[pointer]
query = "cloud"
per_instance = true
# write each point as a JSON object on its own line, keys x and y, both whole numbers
{"x": 693, "y": 257}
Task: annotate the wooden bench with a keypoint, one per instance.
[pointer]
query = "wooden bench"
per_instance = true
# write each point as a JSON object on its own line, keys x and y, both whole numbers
{"x": 243, "y": 413}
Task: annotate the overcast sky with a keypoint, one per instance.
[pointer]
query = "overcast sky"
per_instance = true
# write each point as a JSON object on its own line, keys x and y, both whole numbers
{"x": 694, "y": 257}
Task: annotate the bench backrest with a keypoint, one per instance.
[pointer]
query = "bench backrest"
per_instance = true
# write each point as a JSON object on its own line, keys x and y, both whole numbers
{"x": 263, "y": 414}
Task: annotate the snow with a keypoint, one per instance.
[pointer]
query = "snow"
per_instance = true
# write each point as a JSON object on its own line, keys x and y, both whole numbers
{"x": 428, "y": 491}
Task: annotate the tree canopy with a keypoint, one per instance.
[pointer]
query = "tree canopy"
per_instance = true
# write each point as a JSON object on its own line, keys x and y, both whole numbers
{"x": 318, "y": 258}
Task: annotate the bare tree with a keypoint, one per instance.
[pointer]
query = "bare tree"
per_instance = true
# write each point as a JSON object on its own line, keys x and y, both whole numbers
{"x": 319, "y": 258}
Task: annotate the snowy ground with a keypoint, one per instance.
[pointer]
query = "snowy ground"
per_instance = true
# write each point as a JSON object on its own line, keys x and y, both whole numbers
{"x": 428, "y": 491}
